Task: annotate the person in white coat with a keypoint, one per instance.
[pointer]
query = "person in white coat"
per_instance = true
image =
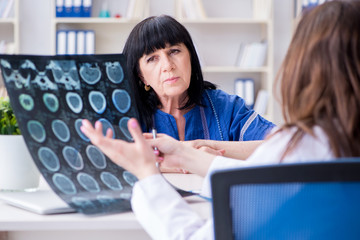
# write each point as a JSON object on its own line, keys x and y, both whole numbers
{"x": 320, "y": 94}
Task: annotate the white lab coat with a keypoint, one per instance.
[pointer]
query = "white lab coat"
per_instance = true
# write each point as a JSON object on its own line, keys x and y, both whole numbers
{"x": 166, "y": 216}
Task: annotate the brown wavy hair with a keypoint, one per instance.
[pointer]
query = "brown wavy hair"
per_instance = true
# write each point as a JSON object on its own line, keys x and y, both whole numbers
{"x": 320, "y": 77}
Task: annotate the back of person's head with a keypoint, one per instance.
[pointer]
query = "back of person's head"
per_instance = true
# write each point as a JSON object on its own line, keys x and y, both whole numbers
{"x": 320, "y": 76}
{"x": 155, "y": 33}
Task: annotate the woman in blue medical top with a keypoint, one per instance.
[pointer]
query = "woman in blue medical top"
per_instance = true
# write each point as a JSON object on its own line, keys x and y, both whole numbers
{"x": 173, "y": 96}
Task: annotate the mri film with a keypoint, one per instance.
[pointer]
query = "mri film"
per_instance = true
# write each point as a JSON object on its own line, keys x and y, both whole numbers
{"x": 50, "y": 96}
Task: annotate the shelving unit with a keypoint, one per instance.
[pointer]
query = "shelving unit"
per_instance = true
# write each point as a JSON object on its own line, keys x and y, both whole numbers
{"x": 217, "y": 37}
{"x": 9, "y": 28}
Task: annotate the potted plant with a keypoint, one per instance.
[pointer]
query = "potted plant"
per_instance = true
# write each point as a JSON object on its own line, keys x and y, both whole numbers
{"x": 17, "y": 169}
{"x": 8, "y": 122}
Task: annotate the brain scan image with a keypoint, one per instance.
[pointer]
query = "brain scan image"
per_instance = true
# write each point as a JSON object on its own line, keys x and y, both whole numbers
{"x": 114, "y": 72}
{"x": 74, "y": 102}
{"x": 106, "y": 125}
{"x": 97, "y": 101}
{"x": 121, "y": 100}
{"x": 88, "y": 182}
{"x": 73, "y": 158}
{"x": 15, "y": 74}
{"x": 50, "y": 96}
{"x": 51, "y": 102}
{"x": 111, "y": 181}
{"x": 77, "y": 125}
{"x": 60, "y": 130}
{"x": 129, "y": 178}
{"x": 96, "y": 157}
{"x": 91, "y": 74}
{"x": 49, "y": 159}
{"x": 65, "y": 74}
{"x": 36, "y": 130}
{"x": 123, "y": 127}
{"x": 64, "y": 184}
{"x": 26, "y": 101}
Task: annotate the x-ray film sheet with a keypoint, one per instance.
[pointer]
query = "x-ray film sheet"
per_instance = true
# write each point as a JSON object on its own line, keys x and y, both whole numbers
{"x": 50, "y": 95}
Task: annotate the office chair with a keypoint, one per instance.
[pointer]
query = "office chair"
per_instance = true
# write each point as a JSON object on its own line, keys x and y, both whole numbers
{"x": 318, "y": 200}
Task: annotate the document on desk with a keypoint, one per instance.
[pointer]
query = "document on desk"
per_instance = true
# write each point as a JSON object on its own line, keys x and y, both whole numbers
{"x": 50, "y": 96}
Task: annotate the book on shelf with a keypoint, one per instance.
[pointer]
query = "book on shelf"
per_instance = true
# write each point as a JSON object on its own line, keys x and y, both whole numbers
{"x": 67, "y": 8}
{"x": 262, "y": 9}
{"x": 61, "y": 42}
{"x": 76, "y": 8}
{"x": 261, "y": 102}
{"x": 86, "y": 8}
{"x": 239, "y": 54}
{"x": 251, "y": 55}
{"x": 6, "y": 8}
{"x": 89, "y": 42}
{"x": 137, "y": 9}
{"x": 245, "y": 88}
{"x": 73, "y": 8}
{"x": 80, "y": 42}
{"x": 193, "y": 9}
{"x": 60, "y": 8}
{"x": 70, "y": 42}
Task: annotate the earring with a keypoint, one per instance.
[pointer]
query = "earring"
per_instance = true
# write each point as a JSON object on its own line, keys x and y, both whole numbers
{"x": 147, "y": 87}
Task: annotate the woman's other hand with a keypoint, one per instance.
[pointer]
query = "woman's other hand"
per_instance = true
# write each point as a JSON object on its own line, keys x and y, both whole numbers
{"x": 176, "y": 156}
{"x": 206, "y": 146}
{"x": 169, "y": 149}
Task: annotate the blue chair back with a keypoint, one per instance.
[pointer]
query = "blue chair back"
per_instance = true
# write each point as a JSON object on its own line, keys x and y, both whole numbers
{"x": 318, "y": 200}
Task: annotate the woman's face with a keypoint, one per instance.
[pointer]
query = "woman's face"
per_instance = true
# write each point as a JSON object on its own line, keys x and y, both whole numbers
{"x": 167, "y": 71}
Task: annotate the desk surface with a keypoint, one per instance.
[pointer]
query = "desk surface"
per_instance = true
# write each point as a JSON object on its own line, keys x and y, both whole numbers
{"x": 15, "y": 219}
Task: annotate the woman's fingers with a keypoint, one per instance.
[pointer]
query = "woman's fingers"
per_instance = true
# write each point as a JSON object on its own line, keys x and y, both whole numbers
{"x": 137, "y": 157}
{"x": 86, "y": 126}
{"x": 212, "y": 151}
{"x": 221, "y": 152}
{"x": 95, "y": 134}
{"x": 170, "y": 170}
{"x": 135, "y": 131}
{"x": 98, "y": 126}
{"x": 150, "y": 135}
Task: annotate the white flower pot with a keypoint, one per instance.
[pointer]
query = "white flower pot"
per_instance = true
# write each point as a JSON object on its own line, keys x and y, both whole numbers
{"x": 18, "y": 171}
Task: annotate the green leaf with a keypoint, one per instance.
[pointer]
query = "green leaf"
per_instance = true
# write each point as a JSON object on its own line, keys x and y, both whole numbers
{"x": 8, "y": 122}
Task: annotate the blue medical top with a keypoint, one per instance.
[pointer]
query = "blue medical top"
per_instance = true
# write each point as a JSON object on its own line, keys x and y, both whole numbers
{"x": 223, "y": 117}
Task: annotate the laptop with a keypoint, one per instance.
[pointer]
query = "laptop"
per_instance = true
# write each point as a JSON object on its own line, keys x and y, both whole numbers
{"x": 41, "y": 202}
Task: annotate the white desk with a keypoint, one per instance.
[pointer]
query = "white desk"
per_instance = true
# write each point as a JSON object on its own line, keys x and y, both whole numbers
{"x": 19, "y": 224}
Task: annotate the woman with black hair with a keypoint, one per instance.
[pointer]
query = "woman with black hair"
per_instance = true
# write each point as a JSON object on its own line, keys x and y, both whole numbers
{"x": 173, "y": 96}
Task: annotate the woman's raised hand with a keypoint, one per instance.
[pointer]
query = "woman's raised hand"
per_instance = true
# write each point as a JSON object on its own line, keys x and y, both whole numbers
{"x": 137, "y": 157}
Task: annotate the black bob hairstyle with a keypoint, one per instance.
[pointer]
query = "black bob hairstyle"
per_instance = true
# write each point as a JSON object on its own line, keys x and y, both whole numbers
{"x": 149, "y": 35}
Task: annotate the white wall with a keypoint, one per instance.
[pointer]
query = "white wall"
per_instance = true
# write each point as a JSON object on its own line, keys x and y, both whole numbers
{"x": 35, "y": 24}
